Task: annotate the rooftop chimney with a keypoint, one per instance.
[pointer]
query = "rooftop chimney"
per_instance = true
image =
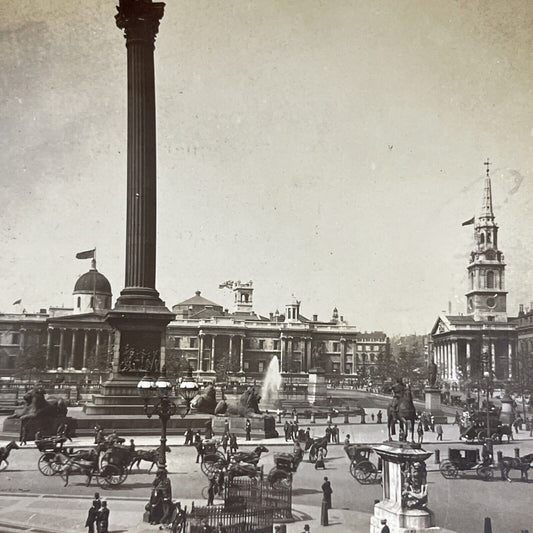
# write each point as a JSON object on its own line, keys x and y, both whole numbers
{"x": 315, "y": 318}
{"x": 521, "y": 310}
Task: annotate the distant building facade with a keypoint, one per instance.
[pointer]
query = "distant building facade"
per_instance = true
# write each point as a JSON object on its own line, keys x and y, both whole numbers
{"x": 77, "y": 341}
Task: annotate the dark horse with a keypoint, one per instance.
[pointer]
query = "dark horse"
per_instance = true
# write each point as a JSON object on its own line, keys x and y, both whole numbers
{"x": 401, "y": 410}
{"x": 150, "y": 456}
{"x": 516, "y": 463}
{"x": 4, "y": 454}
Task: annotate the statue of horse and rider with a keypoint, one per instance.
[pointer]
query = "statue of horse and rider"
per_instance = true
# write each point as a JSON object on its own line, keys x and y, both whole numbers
{"x": 401, "y": 410}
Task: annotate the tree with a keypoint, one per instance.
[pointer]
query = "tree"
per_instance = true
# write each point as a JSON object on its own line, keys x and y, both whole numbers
{"x": 176, "y": 363}
{"x": 411, "y": 365}
{"x": 386, "y": 368}
{"x": 31, "y": 360}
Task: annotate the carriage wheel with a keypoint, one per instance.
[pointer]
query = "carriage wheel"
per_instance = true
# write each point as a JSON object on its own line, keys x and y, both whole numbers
{"x": 46, "y": 464}
{"x": 485, "y": 473}
{"x": 496, "y": 437}
{"x": 353, "y": 466}
{"x": 448, "y": 470}
{"x": 279, "y": 478}
{"x": 313, "y": 453}
{"x": 482, "y": 435}
{"x": 109, "y": 476}
{"x": 365, "y": 472}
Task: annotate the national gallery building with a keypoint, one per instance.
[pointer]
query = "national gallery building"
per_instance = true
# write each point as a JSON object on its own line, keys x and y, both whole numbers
{"x": 76, "y": 343}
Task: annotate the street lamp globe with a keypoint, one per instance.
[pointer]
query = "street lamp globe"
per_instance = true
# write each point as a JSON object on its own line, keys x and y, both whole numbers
{"x": 188, "y": 387}
{"x": 163, "y": 386}
{"x": 145, "y": 387}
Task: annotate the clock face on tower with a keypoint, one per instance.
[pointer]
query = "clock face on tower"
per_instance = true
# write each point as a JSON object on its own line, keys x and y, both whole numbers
{"x": 491, "y": 302}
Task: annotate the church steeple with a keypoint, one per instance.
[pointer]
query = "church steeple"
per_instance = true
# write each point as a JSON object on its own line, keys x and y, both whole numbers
{"x": 486, "y": 209}
{"x": 486, "y": 297}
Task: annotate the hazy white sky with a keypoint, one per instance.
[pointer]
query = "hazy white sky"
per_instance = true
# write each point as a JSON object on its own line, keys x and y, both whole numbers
{"x": 329, "y": 149}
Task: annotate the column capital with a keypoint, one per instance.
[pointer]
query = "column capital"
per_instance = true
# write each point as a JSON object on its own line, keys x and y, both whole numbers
{"x": 139, "y": 19}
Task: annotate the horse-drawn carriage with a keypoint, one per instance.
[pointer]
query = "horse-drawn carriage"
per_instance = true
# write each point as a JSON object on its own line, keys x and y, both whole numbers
{"x": 285, "y": 465}
{"x": 361, "y": 467}
{"x": 461, "y": 460}
{"x": 49, "y": 448}
{"x": 314, "y": 446}
{"x": 478, "y": 430}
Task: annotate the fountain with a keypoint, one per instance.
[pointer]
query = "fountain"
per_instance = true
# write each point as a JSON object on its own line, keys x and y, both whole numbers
{"x": 271, "y": 385}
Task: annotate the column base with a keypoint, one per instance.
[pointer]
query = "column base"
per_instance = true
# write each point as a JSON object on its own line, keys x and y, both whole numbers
{"x": 402, "y": 520}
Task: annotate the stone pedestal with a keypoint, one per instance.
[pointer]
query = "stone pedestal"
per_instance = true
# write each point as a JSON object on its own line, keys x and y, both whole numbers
{"x": 316, "y": 389}
{"x": 263, "y": 427}
{"x": 404, "y": 504}
{"x": 433, "y": 403}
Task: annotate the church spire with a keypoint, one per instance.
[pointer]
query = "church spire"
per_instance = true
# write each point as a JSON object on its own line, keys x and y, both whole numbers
{"x": 486, "y": 209}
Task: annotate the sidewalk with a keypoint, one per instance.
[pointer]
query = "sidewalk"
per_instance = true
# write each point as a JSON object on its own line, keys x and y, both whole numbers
{"x": 34, "y": 513}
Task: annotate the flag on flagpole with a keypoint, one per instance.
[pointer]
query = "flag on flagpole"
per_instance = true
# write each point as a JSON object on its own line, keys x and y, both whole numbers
{"x": 468, "y": 222}
{"x": 88, "y": 254}
{"x": 17, "y": 301}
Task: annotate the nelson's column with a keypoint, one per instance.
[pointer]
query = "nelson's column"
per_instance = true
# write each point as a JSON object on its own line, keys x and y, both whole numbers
{"x": 139, "y": 317}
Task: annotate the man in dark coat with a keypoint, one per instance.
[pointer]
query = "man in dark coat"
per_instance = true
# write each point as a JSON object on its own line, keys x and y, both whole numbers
{"x": 91, "y": 518}
{"x": 286, "y": 428}
{"x": 385, "y": 528}
{"x": 102, "y": 520}
{"x": 327, "y": 491}
{"x": 249, "y": 430}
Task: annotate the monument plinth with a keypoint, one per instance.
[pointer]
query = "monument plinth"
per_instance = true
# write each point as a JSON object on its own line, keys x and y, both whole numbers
{"x": 316, "y": 389}
{"x": 433, "y": 402}
{"x": 405, "y": 498}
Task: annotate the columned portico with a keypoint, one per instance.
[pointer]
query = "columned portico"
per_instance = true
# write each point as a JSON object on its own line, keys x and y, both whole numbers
{"x": 241, "y": 355}
{"x": 48, "y": 346}
{"x": 61, "y": 348}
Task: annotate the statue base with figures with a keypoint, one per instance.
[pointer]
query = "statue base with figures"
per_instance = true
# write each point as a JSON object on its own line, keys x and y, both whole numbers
{"x": 262, "y": 426}
{"x": 404, "y": 506}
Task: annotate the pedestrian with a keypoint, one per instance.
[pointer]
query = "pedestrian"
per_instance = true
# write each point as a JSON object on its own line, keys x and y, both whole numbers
{"x": 91, "y": 518}
{"x": 179, "y": 519}
{"x": 385, "y": 528}
{"x": 379, "y": 417}
{"x": 249, "y": 430}
{"x": 372, "y": 417}
{"x": 432, "y": 423}
{"x": 335, "y": 434}
{"x": 225, "y": 439}
{"x": 439, "y": 432}
{"x": 319, "y": 463}
{"x": 307, "y": 434}
{"x": 188, "y": 437}
{"x": 347, "y": 441}
{"x": 363, "y": 416}
{"x": 199, "y": 452}
{"x": 306, "y": 529}
{"x": 233, "y": 446}
{"x": 326, "y": 502}
{"x": 23, "y": 432}
{"x": 295, "y": 430}
{"x": 102, "y": 520}
{"x": 197, "y": 438}
{"x": 457, "y": 418}
{"x": 328, "y": 433}
{"x": 211, "y": 492}
{"x": 132, "y": 446}
{"x": 286, "y": 430}
{"x": 420, "y": 432}
{"x": 97, "y": 502}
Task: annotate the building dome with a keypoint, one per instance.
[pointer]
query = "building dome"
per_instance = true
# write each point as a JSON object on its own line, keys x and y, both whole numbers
{"x": 92, "y": 292}
{"x": 92, "y": 281}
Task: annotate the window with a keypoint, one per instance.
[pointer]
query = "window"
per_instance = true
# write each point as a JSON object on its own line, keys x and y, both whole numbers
{"x": 176, "y": 342}
{"x": 490, "y": 279}
{"x": 261, "y": 366}
{"x": 247, "y": 343}
{"x": 246, "y": 365}
{"x": 91, "y": 305}
{"x": 79, "y": 302}
{"x": 15, "y": 338}
{"x": 276, "y": 345}
{"x": 192, "y": 342}
{"x": 335, "y": 346}
{"x": 261, "y": 346}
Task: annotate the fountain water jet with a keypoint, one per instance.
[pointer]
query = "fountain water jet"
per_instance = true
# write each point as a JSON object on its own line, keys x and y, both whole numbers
{"x": 271, "y": 385}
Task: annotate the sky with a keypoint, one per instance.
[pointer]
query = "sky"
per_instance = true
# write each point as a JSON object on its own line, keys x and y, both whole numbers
{"x": 328, "y": 150}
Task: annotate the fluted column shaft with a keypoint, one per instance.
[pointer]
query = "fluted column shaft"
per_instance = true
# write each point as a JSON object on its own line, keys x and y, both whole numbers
{"x": 140, "y": 22}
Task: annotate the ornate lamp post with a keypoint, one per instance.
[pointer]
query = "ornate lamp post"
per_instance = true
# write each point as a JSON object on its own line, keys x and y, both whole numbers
{"x": 158, "y": 401}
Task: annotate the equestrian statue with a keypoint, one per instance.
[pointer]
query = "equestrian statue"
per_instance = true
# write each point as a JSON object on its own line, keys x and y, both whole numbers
{"x": 401, "y": 410}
